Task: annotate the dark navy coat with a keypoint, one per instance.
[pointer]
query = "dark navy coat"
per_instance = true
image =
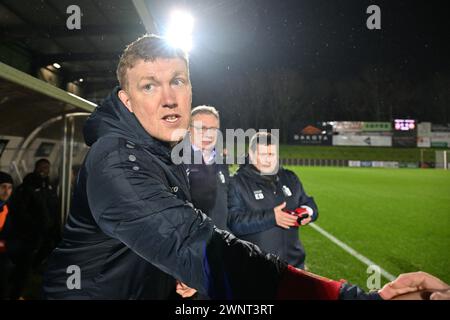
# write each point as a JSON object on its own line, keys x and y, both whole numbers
{"x": 209, "y": 189}
{"x": 253, "y": 196}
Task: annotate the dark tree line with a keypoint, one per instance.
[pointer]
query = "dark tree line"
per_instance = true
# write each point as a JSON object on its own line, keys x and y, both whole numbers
{"x": 285, "y": 99}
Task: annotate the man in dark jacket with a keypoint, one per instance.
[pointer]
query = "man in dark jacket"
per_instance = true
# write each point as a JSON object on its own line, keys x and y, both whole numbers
{"x": 51, "y": 226}
{"x": 208, "y": 174}
{"x": 35, "y": 223}
{"x": 259, "y": 195}
{"x": 132, "y": 215}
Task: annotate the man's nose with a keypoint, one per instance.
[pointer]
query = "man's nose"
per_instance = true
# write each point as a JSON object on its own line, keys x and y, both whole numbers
{"x": 210, "y": 134}
{"x": 168, "y": 97}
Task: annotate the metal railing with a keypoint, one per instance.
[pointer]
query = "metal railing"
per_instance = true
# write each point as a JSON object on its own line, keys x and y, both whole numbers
{"x": 314, "y": 162}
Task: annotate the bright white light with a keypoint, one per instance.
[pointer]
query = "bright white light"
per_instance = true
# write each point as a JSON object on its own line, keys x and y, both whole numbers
{"x": 81, "y": 80}
{"x": 57, "y": 65}
{"x": 179, "y": 31}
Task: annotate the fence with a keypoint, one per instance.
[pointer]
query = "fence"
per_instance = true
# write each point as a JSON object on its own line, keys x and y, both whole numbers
{"x": 441, "y": 160}
{"x": 315, "y": 162}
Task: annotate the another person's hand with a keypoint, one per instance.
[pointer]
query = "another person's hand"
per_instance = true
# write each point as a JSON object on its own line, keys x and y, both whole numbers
{"x": 284, "y": 219}
{"x": 441, "y": 295}
{"x": 184, "y": 291}
{"x": 306, "y": 221}
{"x": 416, "y": 281}
{"x": 301, "y": 212}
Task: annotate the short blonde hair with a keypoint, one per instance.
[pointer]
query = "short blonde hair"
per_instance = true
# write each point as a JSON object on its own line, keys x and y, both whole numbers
{"x": 262, "y": 138}
{"x": 149, "y": 47}
{"x": 205, "y": 110}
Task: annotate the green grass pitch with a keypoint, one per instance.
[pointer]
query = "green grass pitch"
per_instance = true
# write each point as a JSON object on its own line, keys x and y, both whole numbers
{"x": 398, "y": 218}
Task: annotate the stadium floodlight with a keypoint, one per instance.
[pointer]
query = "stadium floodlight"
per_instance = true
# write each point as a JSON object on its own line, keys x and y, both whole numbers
{"x": 179, "y": 31}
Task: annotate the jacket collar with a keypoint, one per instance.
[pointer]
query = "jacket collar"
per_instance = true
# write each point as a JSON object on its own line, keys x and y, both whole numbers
{"x": 250, "y": 171}
{"x": 113, "y": 119}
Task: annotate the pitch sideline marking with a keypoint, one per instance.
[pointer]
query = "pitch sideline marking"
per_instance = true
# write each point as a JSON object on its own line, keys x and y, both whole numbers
{"x": 351, "y": 251}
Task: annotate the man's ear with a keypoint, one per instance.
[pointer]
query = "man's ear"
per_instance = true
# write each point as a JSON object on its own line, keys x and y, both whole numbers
{"x": 125, "y": 98}
{"x": 252, "y": 157}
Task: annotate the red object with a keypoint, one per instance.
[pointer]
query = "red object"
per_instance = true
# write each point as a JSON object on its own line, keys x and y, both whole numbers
{"x": 297, "y": 284}
{"x": 3, "y": 215}
{"x": 301, "y": 213}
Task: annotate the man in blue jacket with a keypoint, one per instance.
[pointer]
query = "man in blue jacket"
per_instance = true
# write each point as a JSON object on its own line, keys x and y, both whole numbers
{"x": 132, "y": 225}
{"x": 260, "y": 196}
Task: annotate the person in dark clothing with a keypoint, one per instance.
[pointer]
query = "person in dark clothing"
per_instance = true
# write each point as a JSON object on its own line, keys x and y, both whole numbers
{"x": 35, "y": 221}
{"x": 208, "y": 174}
{"x": 259, "y": 195}
{"x": 51, "y": 232}
{"x": 132, "y": 220}
{"x": 6, "y": 187}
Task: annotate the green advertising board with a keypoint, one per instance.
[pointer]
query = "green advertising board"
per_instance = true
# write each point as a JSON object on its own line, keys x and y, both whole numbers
{"x": 377, "y": 126}
{"x": 439, "y": 144}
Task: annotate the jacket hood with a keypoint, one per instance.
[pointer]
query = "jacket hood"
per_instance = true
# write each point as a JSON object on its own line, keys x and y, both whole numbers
{"x": 113, "y": 119}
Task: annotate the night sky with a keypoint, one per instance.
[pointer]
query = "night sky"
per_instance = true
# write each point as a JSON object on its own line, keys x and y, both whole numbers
{"x": 317, "y": 38}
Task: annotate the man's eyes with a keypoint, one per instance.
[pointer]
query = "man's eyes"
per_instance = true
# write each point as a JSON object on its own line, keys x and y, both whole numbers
{"x": 178, "y": 81}
{"x": 148, "y": 87}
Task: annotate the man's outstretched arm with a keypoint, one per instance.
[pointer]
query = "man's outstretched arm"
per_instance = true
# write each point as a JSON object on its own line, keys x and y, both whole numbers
{"x": 318, "y": 288}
